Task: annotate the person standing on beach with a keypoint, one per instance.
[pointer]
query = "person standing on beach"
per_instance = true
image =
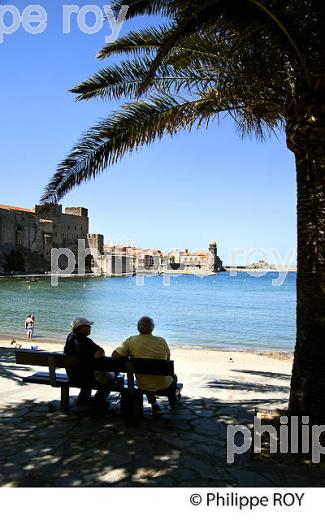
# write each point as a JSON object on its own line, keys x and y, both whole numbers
{"x": 29, "y": 327}
{"x": 83, "y": 374}
{"x": 147, "y": 346}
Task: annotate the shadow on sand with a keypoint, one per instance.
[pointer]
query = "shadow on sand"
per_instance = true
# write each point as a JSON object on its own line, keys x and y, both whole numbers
{"x": 8, "y": 365}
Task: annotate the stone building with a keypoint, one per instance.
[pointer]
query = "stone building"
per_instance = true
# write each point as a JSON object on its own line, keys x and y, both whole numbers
{"x": 28, "y": 236}
{"x": 186, "y": 261}
{"x": 117, "y": 260}
{"x": 124, "y": 260}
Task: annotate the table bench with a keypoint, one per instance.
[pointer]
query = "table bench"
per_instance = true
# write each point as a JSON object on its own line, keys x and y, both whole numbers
{"x": 131, "y": 396}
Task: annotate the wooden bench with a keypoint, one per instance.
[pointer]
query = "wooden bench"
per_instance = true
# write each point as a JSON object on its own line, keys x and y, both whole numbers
{"x": 131, "y": 396}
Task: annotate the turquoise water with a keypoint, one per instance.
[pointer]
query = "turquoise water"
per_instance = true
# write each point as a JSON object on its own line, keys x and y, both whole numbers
{"x": 242, "y": 312}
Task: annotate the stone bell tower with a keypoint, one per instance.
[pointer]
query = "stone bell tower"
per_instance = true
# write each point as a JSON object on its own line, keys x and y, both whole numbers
{"x": 214, "y": 262}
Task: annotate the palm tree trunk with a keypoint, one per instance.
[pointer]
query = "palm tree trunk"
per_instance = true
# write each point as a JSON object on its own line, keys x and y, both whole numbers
{"x": 306, "y": 138}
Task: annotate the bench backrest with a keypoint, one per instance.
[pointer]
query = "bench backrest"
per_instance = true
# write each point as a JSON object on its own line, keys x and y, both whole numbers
{"x": 130, "y": 366}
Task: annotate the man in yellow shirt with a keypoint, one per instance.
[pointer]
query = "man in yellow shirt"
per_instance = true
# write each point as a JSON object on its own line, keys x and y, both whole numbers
{"x": 147, "y": 346}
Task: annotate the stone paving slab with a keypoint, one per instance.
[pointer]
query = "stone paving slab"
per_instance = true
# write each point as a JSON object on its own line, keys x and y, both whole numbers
{"x": 75, "y": 451}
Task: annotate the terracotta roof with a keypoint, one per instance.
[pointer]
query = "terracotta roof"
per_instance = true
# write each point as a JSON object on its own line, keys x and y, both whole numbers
{"x": 14, "y": 208}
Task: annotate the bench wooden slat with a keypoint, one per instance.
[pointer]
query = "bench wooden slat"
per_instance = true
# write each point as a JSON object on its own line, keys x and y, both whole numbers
{"x": 60, "y": 360}
{"x": 140, "y": 366}
{"x": 43, "y": 378}
{"x": 153, "y": 367}
{"x": 42, "y": 359}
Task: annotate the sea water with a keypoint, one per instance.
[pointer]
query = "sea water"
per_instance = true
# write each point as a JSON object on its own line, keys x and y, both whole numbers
{"x": 221, "y": 311}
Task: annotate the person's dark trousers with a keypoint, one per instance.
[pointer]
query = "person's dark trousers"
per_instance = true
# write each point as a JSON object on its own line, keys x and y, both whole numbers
{"x": 84, "y": 397}
{"x": 101, "y": 395}
{"x": 169, "y": 392}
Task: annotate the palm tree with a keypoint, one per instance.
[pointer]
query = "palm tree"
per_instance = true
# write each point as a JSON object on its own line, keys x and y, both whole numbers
{"x": 261, "y": 62}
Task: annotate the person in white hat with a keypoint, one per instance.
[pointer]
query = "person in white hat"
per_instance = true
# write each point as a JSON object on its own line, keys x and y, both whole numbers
{"x": 80, "y": 345}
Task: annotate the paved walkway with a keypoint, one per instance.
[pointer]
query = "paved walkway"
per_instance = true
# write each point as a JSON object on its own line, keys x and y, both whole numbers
{"x": 40, "y": 446}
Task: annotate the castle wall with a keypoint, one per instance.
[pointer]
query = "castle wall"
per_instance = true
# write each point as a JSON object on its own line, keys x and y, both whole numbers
{"x": 95, "y": 242}
{"x": 18, "y": 235}
{"x": 18, "y": 228}
{"x": 27, "y": 237}
{"x": 67, "y": 227}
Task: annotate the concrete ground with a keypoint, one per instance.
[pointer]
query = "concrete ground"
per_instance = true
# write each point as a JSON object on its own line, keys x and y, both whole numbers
{"x": 42, "y": 447}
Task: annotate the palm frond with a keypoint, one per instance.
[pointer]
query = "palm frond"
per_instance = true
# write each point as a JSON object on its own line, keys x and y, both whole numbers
{"x": 125, "y": 79}
{"x": 114, "y": 82}
{"x": 166, "y": 8}
{"x": 250, "y": 18}
{"x": 136, "y": 124}
{"x": 222, "y": 58}
{"x": 136, "y": 42}
{"x": 202, "y": 44}
{"x": 140, "y": 123}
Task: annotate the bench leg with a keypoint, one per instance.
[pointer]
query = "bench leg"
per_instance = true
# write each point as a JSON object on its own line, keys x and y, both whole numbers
{"x": 138, "y": 405}
{"x": 64, "y": 399}
{"x": 132, "y": 404}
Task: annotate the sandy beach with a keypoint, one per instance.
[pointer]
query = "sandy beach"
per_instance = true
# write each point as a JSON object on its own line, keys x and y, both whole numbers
{"x": 250, "y": 378}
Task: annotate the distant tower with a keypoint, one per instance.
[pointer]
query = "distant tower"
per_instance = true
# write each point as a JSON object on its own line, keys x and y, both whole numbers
{"x": 213, "y": 247}
{"x": 215, "y": 263}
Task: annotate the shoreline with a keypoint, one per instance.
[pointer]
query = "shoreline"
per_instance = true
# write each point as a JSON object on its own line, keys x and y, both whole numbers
{"x": 146, "y": 273}
{"x": 58, "y": 345}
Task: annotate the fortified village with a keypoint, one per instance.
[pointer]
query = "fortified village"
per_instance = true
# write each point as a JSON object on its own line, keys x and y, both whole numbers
{"x": 27, "y": 238}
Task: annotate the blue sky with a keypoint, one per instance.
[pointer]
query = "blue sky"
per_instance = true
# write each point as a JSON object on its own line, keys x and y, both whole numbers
{"x": 180, "y": 192}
